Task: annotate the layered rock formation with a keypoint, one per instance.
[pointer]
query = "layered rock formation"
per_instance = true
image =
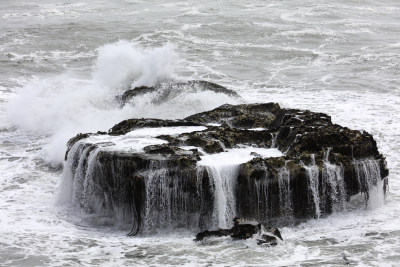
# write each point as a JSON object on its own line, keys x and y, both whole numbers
{"x": 256, "y": 161}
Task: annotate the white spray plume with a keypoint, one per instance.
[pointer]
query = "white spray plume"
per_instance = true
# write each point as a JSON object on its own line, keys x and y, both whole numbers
{"x": 122, "y": 65}
{"x": 64, "y": 105}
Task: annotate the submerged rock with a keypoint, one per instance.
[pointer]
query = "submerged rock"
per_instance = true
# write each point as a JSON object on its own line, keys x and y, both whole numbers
{"x": 161, "y": 179}
{"x": 244, "y": 229}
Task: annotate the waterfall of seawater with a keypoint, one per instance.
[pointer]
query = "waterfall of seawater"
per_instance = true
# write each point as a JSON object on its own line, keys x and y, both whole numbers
{"x": 223, "y": 170}
{"x": 85, "y": 184}
{"x": 159, "y": 196}
{"x": 333, "y": 190}
{"x": 273, "y": 139}
{"x": 328, "y": 190}
{"x": 313, "y": 180}
{"x": 65, "y": 196}
{"x": 78, "y": 175}
{"x": 169, "y": 201}
{"x": 201, "y": 197}
{"x": 225, "y": 178}
{"x": 285, "y": 193}
{"x": 369, "y": 177}
{"x": 261, "y": 187}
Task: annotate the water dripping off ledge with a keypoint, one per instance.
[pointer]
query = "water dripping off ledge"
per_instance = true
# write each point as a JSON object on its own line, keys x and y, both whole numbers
{"x": 258, "y": 161}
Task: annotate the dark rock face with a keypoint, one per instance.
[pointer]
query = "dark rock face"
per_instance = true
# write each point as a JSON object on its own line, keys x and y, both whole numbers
{"x": 243, "y": 229}
{"x": 239, "y": 116}
{"x": 169, "y": 90}
{"x": 164, "y": 186}
{"x": 132, "y": 124}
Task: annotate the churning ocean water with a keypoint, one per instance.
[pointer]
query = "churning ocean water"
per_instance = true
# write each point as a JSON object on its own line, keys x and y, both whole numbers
{"x": 62, "y": 63}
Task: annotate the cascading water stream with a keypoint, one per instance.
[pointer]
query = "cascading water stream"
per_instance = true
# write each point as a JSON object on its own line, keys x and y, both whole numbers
{"x": 87, "y": 192}
{"x": 369, "y": 177}
{"x": 168, "y": 201}
{"x": 261, "y": 187}
{"x": 333, "y": 184}
{"x": 206, "y": 195}
{"x": 328, "y": 190}
{"x": 274, "y": 136}
{"x": 223, "y": 168}
{"x": 77, "y": 175}
{"x": 285, "y": 192}
{"x": 224, "y": 177}
{"x": 313, "y": 179}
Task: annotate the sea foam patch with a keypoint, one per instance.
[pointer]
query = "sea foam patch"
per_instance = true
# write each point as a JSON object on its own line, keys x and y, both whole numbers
{"x": 136, "y": 140}
{"x": 237, "y": 156}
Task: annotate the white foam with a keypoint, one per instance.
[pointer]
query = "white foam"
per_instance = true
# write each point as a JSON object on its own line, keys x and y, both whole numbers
{"x": 257, "y": 129}
{"x": 123, "y": 65}
{"x": 136, "y": 140}
{"x": 214, "y": 124}
{"x": 237, "y": 156}
{"x": 361, "y": 93}
{"x": 65, "y": 105}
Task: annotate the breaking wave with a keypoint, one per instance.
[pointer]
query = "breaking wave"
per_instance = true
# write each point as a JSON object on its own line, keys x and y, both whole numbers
{"x": 64, "y": 105}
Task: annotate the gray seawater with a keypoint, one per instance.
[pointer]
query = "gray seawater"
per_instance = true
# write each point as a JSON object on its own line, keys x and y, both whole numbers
{"x": 61, "y": 61}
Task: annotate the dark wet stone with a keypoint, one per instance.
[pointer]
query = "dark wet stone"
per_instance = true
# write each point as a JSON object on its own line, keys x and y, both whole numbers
{"x": 217, "y": 233}
{"x": 239, "y": 116}
{"x": 75, "y": 139}
{"x": 168, "y": 90}
{"x": 302, "y": 135}
{"x": 133, "y": 124}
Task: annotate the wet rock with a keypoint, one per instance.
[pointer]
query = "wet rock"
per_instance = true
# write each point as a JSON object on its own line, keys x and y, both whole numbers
{"x": 216, "y": 233}
{"x": 133, "y": 124}
{"x": 168, "y": 90}
{"x": 216, "y": 139}
{"x": 244, "y": 229}
{"x": 137, "y": 91}
{"x": 75, "y": 139}
{"x": 164, "y": 187}
{"x": 239, "y": 116}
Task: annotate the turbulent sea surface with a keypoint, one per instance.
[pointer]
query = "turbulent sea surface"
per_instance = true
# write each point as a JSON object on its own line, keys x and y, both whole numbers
{"x": 61, "y": 63}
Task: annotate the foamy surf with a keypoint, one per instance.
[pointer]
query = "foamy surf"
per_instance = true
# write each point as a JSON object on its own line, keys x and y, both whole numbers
{"x": 65, "y": 105}
{"x": 340, "y": 58}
